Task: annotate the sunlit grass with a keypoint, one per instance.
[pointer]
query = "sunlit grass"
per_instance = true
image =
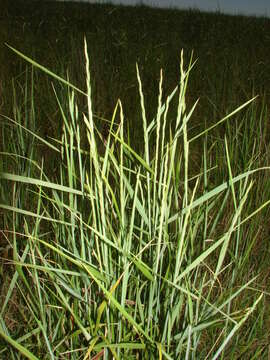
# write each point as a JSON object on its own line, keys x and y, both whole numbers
{"x": 122, "y": 253}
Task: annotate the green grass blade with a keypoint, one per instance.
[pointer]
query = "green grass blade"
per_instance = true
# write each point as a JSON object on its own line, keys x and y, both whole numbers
{"x": 18, "y": 346}
{"x": 45, "y": 70}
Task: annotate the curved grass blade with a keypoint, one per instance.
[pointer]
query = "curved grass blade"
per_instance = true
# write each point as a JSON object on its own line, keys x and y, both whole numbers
{"x": 27, "y": 180}
{"x": 44, "y": 69}
{"x": 224, "y": 119}
{"x": 18, "y": 346}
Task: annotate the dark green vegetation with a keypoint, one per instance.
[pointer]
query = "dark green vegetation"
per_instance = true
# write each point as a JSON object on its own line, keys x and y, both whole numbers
{"x": 232, "y": 53}
{"x": 163, "y": 253}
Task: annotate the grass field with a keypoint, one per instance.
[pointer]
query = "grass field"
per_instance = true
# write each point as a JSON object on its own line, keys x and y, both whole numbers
{"x": 134, "y": 201}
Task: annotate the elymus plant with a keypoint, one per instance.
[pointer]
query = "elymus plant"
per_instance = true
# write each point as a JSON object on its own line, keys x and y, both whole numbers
{"x": 117, "y": 253}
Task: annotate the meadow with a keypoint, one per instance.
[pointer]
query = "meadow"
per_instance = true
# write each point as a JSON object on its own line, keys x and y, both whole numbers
{"x": 135, "y": 191}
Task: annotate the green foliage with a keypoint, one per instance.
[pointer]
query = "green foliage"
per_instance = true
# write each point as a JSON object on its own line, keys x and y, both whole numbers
{"x": 129, "y": 247}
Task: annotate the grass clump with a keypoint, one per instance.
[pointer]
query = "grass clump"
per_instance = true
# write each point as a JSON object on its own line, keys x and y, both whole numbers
{"x": 120, "y": 253}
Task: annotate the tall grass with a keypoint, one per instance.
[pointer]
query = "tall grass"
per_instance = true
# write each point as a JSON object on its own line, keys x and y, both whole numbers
{"x": 120, "y": 253}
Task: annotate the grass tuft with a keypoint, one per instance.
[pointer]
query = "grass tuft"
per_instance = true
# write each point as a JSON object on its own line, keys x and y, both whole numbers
{"x": 123, "y": 253}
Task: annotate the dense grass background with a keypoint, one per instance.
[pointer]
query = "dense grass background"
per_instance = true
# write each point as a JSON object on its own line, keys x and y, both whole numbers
{"x": 232, "y": 52}
{"x": 232, "y": 67}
